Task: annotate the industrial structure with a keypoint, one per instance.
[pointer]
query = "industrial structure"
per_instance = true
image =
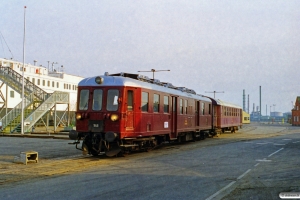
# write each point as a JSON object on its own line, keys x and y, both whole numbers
{"x": 270, "y": 117}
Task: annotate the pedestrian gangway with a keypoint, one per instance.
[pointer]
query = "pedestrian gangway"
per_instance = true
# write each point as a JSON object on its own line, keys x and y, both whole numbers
{"x": 37, "y": 102}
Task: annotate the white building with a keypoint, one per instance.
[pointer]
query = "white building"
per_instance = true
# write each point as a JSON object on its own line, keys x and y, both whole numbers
{"x": 45, "y": 91}
{"x": 49, "y": 81}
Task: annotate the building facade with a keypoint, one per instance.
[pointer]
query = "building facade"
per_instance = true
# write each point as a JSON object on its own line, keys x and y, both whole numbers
{"x": 295, "y": 120}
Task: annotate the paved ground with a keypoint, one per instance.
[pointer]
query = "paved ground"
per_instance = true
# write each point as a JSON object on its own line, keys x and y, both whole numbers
{"x": 206, "y": 167}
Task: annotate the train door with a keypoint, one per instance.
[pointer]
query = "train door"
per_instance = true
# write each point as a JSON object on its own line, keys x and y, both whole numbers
{"x": 129, "y": 110}
{"x": 174, "y": 117}
{"x": 197, "y": 113}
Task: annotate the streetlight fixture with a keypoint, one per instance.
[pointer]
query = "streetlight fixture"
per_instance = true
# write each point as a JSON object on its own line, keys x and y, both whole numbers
{"x": 154, "y": 70}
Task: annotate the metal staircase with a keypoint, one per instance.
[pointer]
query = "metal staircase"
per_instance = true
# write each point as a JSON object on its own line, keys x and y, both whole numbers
{"x": 36, "y": 101}
{"x": 55, "y": 98}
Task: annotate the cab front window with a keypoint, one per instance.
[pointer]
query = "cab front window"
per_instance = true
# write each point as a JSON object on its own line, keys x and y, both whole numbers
{"x": 97, "y": 100}
{"x": 112, "y": 100}
{"x": 83, "y": 99}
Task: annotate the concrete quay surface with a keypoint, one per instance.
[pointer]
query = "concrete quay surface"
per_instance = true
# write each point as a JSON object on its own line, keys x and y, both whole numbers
{"x": 257, "y": 162}
{"x": 41, "y": 132}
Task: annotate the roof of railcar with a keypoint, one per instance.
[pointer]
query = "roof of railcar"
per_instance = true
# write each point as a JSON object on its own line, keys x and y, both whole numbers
{"x": 135, "y": 80}
{"x": 223, "y": 103}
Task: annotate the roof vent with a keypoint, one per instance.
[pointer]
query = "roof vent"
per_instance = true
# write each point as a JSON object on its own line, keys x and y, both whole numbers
{"x": 106, "y": 74}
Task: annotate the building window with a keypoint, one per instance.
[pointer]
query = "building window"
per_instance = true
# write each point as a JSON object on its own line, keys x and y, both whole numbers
{"x": 12, "y": 94}
{"x": 145, "y": 101}
{"x": 43, "y": 82}
{"x": 57, "y": 84}
{"x": 38, "y": 81}
{"x": 155, "y": 103}
{"x": 48, "y": 83}
{"x": 33, "y": 80}
{"x": 166, "y": 104}
{"x": 52, "y": 83}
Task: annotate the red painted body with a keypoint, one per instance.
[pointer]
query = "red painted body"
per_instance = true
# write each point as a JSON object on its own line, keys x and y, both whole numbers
{"x": 118, "y": 111}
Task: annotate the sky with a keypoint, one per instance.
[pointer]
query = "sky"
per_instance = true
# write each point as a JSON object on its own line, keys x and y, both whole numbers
{"x": 208, "y": 45}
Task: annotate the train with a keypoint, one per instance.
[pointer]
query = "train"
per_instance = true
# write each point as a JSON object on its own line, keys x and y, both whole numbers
{"x": 124, "y": 112}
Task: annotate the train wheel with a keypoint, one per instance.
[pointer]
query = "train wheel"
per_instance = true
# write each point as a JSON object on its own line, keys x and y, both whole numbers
{"x": 113, "y": 152}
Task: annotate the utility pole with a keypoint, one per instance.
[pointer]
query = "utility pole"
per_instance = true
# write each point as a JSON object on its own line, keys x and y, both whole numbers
{"x": 153, "y": 70}
{"x": 215, "y": 93}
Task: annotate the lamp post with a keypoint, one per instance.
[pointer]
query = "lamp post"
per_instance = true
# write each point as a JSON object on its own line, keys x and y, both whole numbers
{"x": 154, "y": 70}
{"x": 23, "y": 68}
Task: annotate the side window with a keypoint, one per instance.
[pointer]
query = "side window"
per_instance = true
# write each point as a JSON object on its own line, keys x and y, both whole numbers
{"x": 202, "y": 108}
{"x": 97, "y": 100}
{"x": 84, "y": 100}
{"x": 155, "y": 103}
{"x": 209, "y": 109}
{"x": 12, "y": 94}
{"x": 145, "y": 101}
{"x": 185, "y": 106}
{"x": 166, "y": 104}
{"x": 181, "y": 106}
{"x": 112, "y": 100}
{"x": 129, "y": 100}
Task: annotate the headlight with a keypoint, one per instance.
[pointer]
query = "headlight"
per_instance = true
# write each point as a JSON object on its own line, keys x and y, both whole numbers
{"x": 78, "y": 116}
{"x": 99, "y": 80}
{"x": 114, "y": 117}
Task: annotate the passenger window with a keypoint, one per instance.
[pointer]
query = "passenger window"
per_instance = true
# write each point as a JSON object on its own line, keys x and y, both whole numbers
{"x": 155, "y": 103}
{"x": 145, "y": 101}
{"x": 166, "y": 104}
{"x": 181, "y": 106}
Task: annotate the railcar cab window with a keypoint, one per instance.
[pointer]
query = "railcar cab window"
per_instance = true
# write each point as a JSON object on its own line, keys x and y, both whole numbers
{"x": 112, "y": 100}
{"x": 145, "y": 101}
{"x": 155, "y": 103}
{"x": 166, "y": 104}
{"x": 84, "y": 100}
{"x": 97, "y": 100}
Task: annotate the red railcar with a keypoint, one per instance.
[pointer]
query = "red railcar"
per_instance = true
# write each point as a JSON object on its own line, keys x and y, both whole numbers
{"x": 124, "y": 112}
